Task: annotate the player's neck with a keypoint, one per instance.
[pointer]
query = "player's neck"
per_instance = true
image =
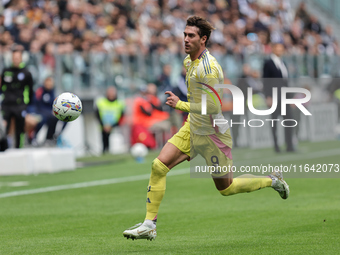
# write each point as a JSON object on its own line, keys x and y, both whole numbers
{"x": 197, "y": 54}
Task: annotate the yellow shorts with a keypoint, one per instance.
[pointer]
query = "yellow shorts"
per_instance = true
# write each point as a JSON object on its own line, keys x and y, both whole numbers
{"x": 215, "y": 149}
{"x": 182, "y": 139}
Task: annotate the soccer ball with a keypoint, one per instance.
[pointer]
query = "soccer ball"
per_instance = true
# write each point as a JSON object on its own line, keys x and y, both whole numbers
{"x": 139, "y": 151}
{"x": 67, "y": 107}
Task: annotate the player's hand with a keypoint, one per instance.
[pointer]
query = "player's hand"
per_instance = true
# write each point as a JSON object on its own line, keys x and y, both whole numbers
{"x": 172, "y": 99}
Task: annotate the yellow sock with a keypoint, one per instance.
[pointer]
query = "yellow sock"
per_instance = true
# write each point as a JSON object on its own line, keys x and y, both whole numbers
{"x": 156, "y": 188}
{"x": 247, "y": 183}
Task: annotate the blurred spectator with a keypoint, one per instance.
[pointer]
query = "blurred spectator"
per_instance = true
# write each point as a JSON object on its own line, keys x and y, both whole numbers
{"x": 126, "y": 27}
{"x": 159, "y": 118}
{"x": 148, "y": 117}
{"x": 149, "y": 34}
{"x": 302, "y": 13}
{"x": 44, "y": 97}
{"x": 109, "y": 111}
{"x": 275, "y": 75}
{"x": 164, "y": 80}
{"x": 48, "y": 58}
{"x": 314, "y": 25}
{"x": 17, "y": 89}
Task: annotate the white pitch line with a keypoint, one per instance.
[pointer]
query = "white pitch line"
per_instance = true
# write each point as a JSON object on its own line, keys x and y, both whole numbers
{"x": 279, "y": 159}
{"x": 88, "y": 184}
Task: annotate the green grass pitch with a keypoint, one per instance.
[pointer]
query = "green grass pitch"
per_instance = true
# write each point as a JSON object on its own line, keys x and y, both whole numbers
{"x": 193, "y": 219}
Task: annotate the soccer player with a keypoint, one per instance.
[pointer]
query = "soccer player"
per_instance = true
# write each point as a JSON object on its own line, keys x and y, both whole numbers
{"x": 17, "y": 89}
{"x": 198, "y": 136}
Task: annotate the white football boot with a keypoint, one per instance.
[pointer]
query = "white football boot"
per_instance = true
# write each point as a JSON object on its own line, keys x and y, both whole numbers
{"x": 279, "y": 184}
{"x": 141, "y": 231}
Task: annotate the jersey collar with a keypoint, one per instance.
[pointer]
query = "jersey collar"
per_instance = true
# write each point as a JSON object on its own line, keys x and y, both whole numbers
{"x": 21, "y": 65}
{"x": 201, "y": 55}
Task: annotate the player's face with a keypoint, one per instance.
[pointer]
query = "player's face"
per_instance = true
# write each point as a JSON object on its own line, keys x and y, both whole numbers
{"x": 16, "y": 58}
{"x": 192, "y": 41}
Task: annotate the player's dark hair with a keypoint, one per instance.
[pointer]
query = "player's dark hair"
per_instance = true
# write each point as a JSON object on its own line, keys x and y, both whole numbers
{"x": 204, "y": 26}
{"x": 17, "y": 48}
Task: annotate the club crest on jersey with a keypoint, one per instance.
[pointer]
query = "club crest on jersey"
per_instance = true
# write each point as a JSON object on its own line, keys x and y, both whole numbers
{"x": 21, "y": 76}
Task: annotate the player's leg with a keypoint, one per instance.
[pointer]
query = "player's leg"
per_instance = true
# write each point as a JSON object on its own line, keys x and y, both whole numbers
{"x": 175, "y": 151}
{"x": 245, "y": 183}
{"x": 20, "y": 127}
{"x": 169, "y": 157}
{"x": 105, "y": 140}
{"x": 216, "y": 153}
{"x": 51, "y": 126}
{"x": 40, "y": 124}
{"x": 3, "y": 136}
{"x": 6, "y": 115}
{"x": 249, "y": 183}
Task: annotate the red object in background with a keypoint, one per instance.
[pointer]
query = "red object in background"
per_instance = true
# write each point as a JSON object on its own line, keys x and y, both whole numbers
{"x": 140, "y": 118}
{"x": 140, "y": 134}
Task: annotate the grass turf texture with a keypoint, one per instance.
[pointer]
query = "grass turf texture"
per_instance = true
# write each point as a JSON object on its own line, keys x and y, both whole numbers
{"x": 194, "y": 218}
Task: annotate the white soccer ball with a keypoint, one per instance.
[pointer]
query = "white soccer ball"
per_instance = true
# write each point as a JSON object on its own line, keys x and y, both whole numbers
{"x": 139, "y": 150}
{"x": 67, "y": 107}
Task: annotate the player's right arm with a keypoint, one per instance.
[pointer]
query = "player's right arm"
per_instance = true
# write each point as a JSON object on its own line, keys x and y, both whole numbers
{"x": 209, "y": 80}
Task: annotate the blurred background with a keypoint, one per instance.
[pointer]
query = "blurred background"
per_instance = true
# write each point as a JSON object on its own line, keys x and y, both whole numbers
{"x": 87, "y": 46}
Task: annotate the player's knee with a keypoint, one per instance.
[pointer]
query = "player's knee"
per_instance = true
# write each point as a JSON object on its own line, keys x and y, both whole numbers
{"x": 159, "y": 168}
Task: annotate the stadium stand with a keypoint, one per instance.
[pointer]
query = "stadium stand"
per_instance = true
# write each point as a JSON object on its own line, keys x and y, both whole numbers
{"x": 89, "y": 45}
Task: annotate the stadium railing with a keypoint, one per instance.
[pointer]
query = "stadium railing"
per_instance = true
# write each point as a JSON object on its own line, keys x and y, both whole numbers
{"x": 88, "y": 75}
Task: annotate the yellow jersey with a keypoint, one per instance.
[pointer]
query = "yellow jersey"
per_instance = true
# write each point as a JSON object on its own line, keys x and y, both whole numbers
{"x": 202, "y": 75}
